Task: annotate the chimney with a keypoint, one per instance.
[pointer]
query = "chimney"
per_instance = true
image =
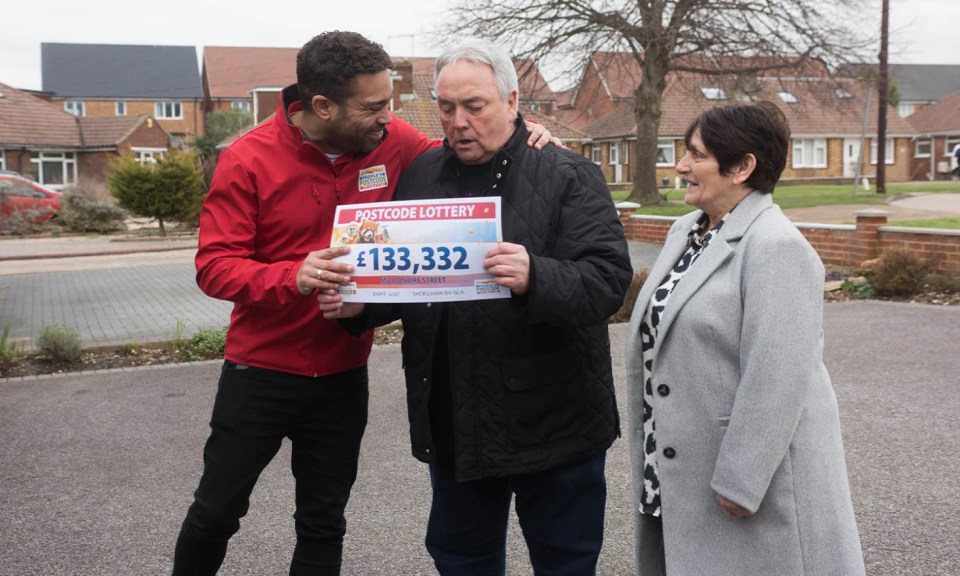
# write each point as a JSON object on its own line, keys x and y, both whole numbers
{"x": 402, "y": 75}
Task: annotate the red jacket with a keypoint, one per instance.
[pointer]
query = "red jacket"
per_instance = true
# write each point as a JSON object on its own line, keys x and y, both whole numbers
{"x": 272, "y": 200}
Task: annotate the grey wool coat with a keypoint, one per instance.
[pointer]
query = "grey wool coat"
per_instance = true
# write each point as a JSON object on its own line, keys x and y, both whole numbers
{"x": 749, "y": 410}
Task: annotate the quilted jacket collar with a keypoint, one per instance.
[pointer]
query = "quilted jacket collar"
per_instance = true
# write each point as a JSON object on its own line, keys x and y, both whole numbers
{"x": 502, "y": 161}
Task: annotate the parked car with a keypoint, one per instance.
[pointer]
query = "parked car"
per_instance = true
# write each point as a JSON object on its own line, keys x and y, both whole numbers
{"x": 18, "y": 194}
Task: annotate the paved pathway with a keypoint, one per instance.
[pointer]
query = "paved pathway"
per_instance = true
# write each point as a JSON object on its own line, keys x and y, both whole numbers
{"x": 97, "y": 470}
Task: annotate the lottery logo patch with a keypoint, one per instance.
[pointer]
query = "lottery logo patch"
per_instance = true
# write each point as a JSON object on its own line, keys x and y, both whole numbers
{"x": 373, "y": 178}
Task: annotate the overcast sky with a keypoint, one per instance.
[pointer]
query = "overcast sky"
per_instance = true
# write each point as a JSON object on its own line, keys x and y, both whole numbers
{"x": 923, "y": 31}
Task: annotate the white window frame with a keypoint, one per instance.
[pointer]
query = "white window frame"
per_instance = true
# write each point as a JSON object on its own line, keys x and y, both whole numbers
{"x": 713, "y": 93}
{"x": 670, "y": 152}
{"x": 169, "y": 110}
{"x": 3, "y": 159}
{"x": 68, "y": 162}
{"x": 241, "y": 105}
{"x": 148, "y": 155}
{"x": 929, "y": 145}
{"x": 904, "y": 109}
{"x": 816, "y": 148}
{"x": 120, "y": 108}
{"x": 888, "y": 151}
{"x": 625, "y": 153}
{"x": 788, "y": 98}
{"x": 595, "y": 153}
{"x": 75, "y": 107}
{"x": 613, "y": 155}
{"x": 948, "y": 143}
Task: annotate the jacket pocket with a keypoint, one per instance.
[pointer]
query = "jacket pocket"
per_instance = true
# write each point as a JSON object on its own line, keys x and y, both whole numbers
{"x": 542, "y": 396}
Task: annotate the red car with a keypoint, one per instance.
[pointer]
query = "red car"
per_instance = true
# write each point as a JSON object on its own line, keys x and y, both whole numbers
{"x": 17, "y": 194}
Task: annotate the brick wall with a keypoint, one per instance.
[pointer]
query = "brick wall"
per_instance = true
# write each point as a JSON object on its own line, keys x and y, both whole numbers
{"x": 838, "y": 244}
{"x": 188, "y": 127}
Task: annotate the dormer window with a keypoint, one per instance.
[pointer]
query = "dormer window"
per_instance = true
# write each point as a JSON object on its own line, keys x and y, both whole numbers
{"x": 713, "y": 93}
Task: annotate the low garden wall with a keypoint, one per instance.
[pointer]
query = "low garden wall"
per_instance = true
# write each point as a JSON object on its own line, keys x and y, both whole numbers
{"x": 837, "y": 244}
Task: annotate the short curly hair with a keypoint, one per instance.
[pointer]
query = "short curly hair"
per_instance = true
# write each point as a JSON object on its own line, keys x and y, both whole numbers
{"x": 329, "y": 62}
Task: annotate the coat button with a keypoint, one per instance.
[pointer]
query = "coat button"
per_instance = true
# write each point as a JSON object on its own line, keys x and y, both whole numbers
{"x": 669, "y": 452}
{"x": 663, "y": 390}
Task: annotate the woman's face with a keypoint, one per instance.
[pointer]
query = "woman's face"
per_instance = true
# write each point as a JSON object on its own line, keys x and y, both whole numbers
{"x": 707, "y": 188}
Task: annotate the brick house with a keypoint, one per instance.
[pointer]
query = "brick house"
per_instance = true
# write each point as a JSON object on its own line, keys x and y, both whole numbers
{"x": 269, "y": 70}
{"x": 825, "y": 115}
{"x": 938, "y": 127}
{"x": 100, "y": 80}
{"x": 246, "y": 79}
{"x": 57, "y": 149}
{"x": 920, "y": 85}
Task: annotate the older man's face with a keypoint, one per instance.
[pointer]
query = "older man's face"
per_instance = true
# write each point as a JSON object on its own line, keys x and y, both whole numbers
{"x": 475, "y": 119}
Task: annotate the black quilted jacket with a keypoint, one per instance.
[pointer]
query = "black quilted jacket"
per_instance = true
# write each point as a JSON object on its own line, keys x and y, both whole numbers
{"x": 531, "y": 375}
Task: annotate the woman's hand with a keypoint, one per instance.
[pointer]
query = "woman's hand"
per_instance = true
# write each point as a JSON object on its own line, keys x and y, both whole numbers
{"x": 731, "y": 509}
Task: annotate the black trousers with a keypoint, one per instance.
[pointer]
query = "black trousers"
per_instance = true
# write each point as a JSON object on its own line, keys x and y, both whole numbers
{"x": 254, "y": 410}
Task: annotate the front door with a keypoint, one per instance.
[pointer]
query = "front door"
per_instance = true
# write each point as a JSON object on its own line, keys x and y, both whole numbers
{"x": 851, "y": 152}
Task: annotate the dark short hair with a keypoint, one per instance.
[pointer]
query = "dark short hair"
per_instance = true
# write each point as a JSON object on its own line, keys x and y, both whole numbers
{"x": 329, "y": 62}
{"x": 732, "y": 132}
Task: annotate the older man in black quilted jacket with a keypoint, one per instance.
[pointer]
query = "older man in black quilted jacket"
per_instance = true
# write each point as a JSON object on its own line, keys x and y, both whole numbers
{"x": 512, "y": 397}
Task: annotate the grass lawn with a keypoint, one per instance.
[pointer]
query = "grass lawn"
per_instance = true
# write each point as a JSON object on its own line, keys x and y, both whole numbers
{"x": 806, "y": 196}
{"x": 948, "y": 223}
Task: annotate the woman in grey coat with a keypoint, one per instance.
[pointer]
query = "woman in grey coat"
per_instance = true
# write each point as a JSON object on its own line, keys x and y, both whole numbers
{"x": 738, "y": 466}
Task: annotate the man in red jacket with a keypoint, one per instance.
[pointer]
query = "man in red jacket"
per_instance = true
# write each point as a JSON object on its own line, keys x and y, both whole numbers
{"x": 264, "y": 245}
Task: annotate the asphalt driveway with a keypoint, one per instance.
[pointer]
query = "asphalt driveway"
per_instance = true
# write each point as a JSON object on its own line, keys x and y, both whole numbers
{"x": 97, "y": 470}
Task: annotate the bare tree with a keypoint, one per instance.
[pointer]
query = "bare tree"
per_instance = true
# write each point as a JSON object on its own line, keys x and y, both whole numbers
{"x": 705, "y": 37}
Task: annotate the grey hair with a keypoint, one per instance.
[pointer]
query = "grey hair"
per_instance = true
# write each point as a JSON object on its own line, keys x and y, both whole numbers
{"x": 482, "y": 52}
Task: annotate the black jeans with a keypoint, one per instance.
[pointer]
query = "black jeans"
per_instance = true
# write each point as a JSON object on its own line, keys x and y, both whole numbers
{"x": 254, "y": 410}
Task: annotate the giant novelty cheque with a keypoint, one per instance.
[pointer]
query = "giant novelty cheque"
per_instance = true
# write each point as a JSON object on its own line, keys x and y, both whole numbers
{"x": 419, "y": 250}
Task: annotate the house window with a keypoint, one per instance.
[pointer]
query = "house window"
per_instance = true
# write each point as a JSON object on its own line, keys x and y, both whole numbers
{"x": 904, "y": 110}
{"x": 810, "y": 153}
{"x": 595, "y": 153}
{"x": 3, "y": 160}
{"x": 923, "y": 148}
{"x": 241, "y": 105}
{"x": 788, "y": 97}
{"x": 121, "y": 109}
{"x": 843, "y": 94}
{"x": 614, "y": 153}
{"x": 74, "y": 107}
{"x": 665, "y": 153}
{"x": 54, "y": 169}
{"x": 169, "y": 110}
{"x": 148, "y": 155}
{"x": 625, "y": 155}
{"x": 887, "y": 151}
{"x": 713, "y": 93}
{"x": 948, "y": 143}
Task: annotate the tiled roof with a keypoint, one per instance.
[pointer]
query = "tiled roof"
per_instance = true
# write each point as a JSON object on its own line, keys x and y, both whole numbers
{"x": 422, "y": 113}
{"x": 926, "y": 82}
{"x": 818, "y": 111}
{"x": 942, "y": 117}
{"x": 233, "y": 71}
{"x": 29, "y": 121}
{"x": 100, "y": 131}
{"x": 118, "y": 71}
